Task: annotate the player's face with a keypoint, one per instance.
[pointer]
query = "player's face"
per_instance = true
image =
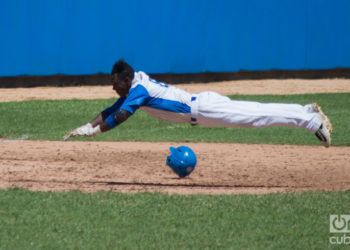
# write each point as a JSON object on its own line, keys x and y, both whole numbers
{"x": 121, "y": 86}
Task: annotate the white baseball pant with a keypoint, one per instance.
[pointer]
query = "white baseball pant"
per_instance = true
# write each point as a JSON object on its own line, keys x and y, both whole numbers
{"x": 211, "y": 110}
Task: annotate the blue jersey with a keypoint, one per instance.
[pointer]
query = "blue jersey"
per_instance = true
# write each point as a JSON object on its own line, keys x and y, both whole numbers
{"x": 156, "y": 98}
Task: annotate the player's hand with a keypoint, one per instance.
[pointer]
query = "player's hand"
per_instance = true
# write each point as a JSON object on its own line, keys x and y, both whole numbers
{"x": 85, "y": 130}
{"x": 68, "y": 135}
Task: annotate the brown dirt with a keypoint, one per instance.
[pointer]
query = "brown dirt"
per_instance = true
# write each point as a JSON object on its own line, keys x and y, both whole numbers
{"x": 136, "y": 166}
{"x": 254, "y": 87}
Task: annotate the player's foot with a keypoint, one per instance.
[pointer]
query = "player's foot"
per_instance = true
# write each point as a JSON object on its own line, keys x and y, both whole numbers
{"x": 311, "y": 108}
{"x": 324, "y": 135}
{"x": 327, "y": 122}
{"x": 315, "y": 108}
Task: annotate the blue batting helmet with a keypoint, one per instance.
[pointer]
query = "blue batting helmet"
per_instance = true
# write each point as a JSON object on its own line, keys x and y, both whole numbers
{"x": 182, "y": 160}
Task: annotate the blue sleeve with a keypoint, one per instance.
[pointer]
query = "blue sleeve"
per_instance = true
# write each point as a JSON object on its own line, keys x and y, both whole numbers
{"x": 110, "y": 120}
{"x": 108, "y": 111}
{"x": 137, "y": 97}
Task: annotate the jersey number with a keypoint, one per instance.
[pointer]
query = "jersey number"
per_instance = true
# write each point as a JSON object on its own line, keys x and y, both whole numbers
{"x": 159, "y": 83}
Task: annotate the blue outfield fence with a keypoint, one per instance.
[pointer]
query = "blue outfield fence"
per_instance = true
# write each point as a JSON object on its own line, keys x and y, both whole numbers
{"x": 45, "y": 37}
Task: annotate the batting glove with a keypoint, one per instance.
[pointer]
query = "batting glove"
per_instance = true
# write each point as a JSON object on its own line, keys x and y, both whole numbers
{"x": 85, "y": 130}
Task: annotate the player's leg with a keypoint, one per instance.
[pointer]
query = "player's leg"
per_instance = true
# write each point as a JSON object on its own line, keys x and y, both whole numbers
{"x": 217, "y": 110}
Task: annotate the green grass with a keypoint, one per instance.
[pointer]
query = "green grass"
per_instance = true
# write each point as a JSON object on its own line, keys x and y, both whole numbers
{"x": 49, "y": 120}
{"x": 104, "y": 220}
{"x": 44, "y": 220}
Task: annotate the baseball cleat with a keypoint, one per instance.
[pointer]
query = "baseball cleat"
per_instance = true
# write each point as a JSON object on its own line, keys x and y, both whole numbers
{"x": 324, "y": 135}
{"x": 315, "y": 108}
{"x": 312, "y": 108}
{"x": 326, "y": 120}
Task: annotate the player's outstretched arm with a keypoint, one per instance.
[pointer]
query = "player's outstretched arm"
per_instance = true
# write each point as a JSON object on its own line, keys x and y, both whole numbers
{"x": 98, "y": 125}
{"x": 92, "y": 128}
{"x": 115, "y": 119}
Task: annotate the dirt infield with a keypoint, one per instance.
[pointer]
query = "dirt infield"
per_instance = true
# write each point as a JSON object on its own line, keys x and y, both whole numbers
{"x": 134, "y": 166}
{"x": 139, "y": 166}
{"x": 246, "y": 87}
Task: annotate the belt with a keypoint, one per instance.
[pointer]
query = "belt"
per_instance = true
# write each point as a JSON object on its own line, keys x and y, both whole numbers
{"x": 193, "y": 121}
{"x": 193, "y": 110}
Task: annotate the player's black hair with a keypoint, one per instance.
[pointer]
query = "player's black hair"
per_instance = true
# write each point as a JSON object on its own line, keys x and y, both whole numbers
{"x": 123, "y": 69}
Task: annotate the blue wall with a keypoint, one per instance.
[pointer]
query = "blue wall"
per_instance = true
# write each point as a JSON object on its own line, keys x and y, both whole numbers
{"x": 44, "y": 37}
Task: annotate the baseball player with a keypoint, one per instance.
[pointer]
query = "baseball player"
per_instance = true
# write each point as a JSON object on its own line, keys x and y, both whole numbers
{"x": 163, "y": 101}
